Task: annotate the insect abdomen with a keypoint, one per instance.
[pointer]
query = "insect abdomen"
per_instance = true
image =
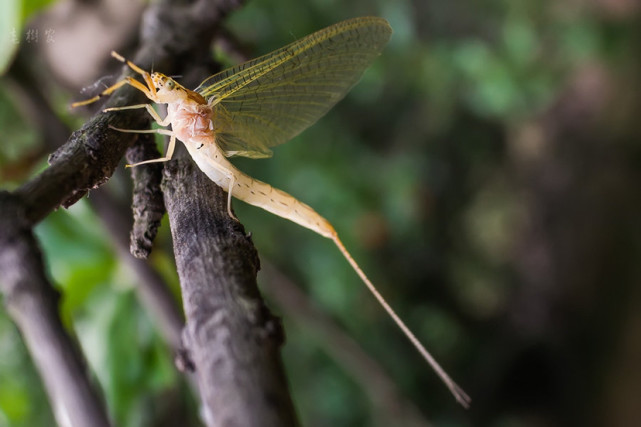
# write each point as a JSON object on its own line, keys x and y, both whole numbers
{"x": 278, "y": 202}
{"x": 212, "y": 162}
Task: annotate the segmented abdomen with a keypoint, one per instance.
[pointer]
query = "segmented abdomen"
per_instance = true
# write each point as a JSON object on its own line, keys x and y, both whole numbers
{"x": 278, "y": 202}
{"x": 215, "y": 165}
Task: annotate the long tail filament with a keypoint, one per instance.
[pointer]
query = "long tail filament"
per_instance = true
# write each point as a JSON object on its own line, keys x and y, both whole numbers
{"x": 457, "y": 391}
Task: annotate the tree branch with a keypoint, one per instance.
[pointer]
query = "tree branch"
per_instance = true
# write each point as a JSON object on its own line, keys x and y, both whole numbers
{"x": 231, "y": 336}
{"x": 86, "y": 161}
{"x": 32, "y": 304}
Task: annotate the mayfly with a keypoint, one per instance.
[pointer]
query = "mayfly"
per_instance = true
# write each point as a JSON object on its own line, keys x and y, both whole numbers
{"x": 249, "y": 108}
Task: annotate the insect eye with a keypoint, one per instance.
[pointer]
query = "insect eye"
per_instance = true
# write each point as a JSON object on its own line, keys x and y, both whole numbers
{"x": 170, "y": 84}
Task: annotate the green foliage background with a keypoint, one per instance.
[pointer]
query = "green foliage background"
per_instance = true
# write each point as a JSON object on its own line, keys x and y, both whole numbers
{"x": 414, "y": 170}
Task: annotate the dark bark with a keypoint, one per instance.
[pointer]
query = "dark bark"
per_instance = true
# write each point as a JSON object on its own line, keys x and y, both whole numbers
{"x": 32, "y": 303}
{"x": 86, "y": 161}
{"x": 147, "y": 204}
{"x": 231, "y": 337}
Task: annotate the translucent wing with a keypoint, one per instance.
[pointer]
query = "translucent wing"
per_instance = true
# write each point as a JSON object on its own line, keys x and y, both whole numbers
{"x": 271, "y": 99}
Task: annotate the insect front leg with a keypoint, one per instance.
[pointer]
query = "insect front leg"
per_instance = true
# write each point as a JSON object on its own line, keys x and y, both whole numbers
{"x": 145, "y": 75}
{"x": 148, "y": 88}
{"x": 111, "y": 89}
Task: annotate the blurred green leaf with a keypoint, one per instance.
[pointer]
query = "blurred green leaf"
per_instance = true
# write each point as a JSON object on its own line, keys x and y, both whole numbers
{"x": 79, "y": 257}
{"x": 14, "y": 400}
{"x": 127, "y": 355}
{"x": 13, "y": 16}
{"x": 22, "y": 399}
{"x": 31, "y": 7}
{"x": 22, "y": 139}
{"x": 10, "y": 28}
{"x": 520, "y": 41}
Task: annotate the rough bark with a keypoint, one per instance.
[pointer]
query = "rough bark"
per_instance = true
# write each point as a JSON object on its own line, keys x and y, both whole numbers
{"x": 86, "y": 161}
{"x": 147, "y": 204}
{"x": 231, "y": 337}
{"x": 32, "y": 303}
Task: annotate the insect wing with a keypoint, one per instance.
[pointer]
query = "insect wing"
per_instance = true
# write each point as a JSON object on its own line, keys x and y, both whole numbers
{"x": 271, "y": 99}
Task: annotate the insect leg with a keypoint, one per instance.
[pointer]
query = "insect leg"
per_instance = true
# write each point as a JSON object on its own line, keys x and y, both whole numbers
{"x": 219, "y": 170}
{"x": 126, "y": 81}
{"x": 145, "y": 75}
{"x": 232, "y": 180}
{"x": 153, "y": 113}
{"x": 170, "y": 149}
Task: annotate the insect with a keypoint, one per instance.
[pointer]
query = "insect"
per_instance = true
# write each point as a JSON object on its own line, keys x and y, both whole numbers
{"x": 247, "y": 109}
